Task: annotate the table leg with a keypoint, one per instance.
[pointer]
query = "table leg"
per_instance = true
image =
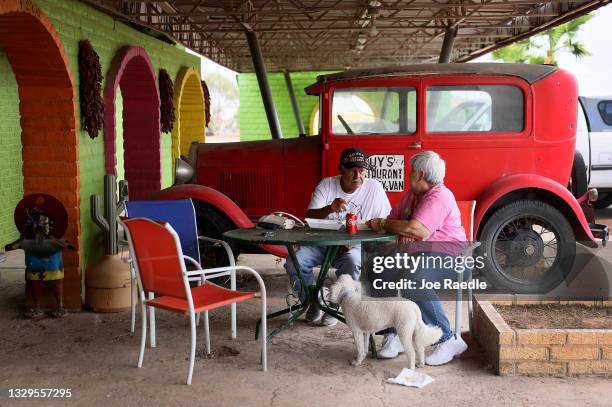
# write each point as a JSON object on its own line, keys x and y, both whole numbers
{"x": 330, "y": 255}
{"x": 312, "y": 296}
{"x": 299, "y": 310}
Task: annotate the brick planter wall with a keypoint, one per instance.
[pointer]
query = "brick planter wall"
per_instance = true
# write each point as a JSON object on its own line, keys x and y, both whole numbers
{"x": 541, "y": 352}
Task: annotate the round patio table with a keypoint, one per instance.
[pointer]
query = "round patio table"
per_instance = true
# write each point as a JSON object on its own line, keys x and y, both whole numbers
{"x": 305, "y": 236}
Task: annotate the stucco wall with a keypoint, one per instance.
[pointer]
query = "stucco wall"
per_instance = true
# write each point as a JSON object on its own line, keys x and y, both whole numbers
{"x": 75, "y": 21}
{"x": 11, "y": 178}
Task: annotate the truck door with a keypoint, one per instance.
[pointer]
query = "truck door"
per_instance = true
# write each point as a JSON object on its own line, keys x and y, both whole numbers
{"x": 381, "y": 118}
{"x": 481, "y": 127}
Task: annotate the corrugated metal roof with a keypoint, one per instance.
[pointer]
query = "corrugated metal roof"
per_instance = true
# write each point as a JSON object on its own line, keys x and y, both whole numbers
{"x": 332, "y": 35}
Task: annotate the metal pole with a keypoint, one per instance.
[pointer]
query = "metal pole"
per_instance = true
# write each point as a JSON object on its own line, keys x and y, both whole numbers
{"x": 264, "y": 86}
{"x": 294, "y": 104}
{"x": 447, "y": 46}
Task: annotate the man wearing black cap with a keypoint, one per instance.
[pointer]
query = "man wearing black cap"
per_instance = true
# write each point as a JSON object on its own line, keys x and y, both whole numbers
{"x": 351, "y": 191}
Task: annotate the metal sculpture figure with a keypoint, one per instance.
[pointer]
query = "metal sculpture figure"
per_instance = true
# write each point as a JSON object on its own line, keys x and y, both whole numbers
{"x": 36, "y": 217}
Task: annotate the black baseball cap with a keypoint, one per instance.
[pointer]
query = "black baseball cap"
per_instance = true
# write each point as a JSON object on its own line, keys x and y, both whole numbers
{"x": 354, "y": 157}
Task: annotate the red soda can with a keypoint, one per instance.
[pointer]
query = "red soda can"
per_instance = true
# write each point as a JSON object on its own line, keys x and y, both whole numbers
{"x": 351, "y": 222}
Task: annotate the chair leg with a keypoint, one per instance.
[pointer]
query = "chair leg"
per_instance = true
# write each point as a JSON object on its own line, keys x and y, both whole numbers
{"x": 206, "y": 332}
{"x": 143, "y": 338}
{"x": 458, "y": 307}
{"x": 264, "y": 334}
{"x": 199, "y": 314}
{"x": 470, "y": 310}
{"x": 193, "y": 347}
{"x": 152, "y": 339}
{"x": 133, "y": 300}
{"x": 233, "y": 329}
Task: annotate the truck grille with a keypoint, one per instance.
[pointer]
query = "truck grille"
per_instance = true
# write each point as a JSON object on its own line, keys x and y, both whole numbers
{"x": 257, "y": 192}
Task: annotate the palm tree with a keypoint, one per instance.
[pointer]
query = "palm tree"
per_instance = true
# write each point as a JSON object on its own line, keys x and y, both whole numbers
{"x": 551, "y": 42}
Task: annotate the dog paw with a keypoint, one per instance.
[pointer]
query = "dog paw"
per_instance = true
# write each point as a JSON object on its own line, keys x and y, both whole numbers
{"x": 420, "y": 364}
{"x": 356, "y": 362}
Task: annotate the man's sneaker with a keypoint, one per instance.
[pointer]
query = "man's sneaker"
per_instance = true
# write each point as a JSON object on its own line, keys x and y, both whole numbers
{"x": 391, "y": 347}
{"x": 314, "y": 313}
{"x": 446, "y": 351}
{"x": 328, "y": 320}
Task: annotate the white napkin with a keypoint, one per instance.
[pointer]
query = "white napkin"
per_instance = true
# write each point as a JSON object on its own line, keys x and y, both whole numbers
{"x": 411, "y": 378}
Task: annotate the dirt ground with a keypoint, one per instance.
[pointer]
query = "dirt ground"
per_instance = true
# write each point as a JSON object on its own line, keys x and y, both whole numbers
{"x": 556, "y": 316}
{"x": 95, "y": 356}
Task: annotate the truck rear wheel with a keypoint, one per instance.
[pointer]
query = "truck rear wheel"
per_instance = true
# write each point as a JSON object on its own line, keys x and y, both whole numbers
{"x": 527, "y": 246}
{"x": 212, "y": 223}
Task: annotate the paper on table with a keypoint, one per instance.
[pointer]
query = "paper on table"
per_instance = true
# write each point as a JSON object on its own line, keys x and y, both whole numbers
{"x": 411, "y": 378}
{"x": 362, "y": 226}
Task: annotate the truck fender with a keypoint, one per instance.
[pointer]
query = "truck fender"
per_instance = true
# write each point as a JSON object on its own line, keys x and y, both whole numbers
{"x": 221, "y": 202}
{"x": 518, "y": 182}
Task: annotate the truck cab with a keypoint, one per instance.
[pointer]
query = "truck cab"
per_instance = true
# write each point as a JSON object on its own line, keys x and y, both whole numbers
{"x": 506, "y": 131}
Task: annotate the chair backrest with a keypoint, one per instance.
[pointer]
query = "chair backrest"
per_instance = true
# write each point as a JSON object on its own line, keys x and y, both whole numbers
{"x": 180, "y": 214}
{"x": 156, "y": 251}
{"x": 467, "y": 208}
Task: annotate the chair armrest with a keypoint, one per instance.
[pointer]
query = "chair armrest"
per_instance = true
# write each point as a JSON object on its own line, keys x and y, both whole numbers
{"x": 223, "y": 271}
{"x": 225, "y": 245}
{"x": 193, "y": 261}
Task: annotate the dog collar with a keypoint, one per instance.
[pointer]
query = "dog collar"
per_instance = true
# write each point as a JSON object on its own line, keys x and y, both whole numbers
{"x": 344, "y": 294}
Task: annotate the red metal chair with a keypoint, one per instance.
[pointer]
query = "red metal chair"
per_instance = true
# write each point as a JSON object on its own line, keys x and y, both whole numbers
{"x": 160, "y": 267}
{"x": 466, "y": 208}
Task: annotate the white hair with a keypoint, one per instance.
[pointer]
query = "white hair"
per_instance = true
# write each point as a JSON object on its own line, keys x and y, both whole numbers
{"x": 432, "y": 166}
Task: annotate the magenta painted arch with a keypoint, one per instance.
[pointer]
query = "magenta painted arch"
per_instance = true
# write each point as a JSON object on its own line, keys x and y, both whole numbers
{"x": 133, "y": 71}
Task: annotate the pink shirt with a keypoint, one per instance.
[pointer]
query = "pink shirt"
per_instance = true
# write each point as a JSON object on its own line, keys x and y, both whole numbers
{"x": 437, "y": 210}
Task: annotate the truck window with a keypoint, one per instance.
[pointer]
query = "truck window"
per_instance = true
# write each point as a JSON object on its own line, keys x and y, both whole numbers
{"x": 374, "y": 111}
{"x": 470, "y": 109}
{"x": 605, "y": 111}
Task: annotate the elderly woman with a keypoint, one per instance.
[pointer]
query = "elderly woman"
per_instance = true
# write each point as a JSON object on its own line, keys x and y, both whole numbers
{"x": 428, "y": 219}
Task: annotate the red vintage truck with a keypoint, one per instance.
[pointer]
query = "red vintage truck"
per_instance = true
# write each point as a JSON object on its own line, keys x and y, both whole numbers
{"x": 506, "y": 131}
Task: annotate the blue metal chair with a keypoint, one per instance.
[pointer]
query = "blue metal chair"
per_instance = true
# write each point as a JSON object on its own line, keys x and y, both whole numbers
{"x": 180, "y": 214}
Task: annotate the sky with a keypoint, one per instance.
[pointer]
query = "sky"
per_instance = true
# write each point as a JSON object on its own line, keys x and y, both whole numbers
{"x": 594, "y": 73}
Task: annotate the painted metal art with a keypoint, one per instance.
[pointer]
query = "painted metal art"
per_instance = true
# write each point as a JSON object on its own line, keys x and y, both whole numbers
{"x": 42, "y": 221}
{"x": 112, "y": 207}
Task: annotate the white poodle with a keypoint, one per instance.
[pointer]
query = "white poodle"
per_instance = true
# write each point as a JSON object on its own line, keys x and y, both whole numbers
{"x": 366, "y": 317}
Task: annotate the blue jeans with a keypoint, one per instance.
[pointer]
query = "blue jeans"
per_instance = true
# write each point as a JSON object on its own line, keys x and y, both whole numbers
{"x": 312, "y": 256}
{"x": 427, "y": 300}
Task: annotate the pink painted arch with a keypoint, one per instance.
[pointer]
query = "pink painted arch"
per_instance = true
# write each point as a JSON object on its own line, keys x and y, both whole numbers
{"x": 133, "y": 72}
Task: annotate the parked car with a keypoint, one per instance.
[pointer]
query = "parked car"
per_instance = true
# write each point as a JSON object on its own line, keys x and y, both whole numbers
{"x": 507, "y": 133}
{"x": 594, "y": 143}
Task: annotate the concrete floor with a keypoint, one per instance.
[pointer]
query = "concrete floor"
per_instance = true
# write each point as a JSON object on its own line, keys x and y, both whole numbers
{"x": 95, "y": 356}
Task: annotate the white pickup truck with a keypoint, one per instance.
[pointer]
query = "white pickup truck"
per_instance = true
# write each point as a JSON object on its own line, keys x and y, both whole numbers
{"x": 594, "y": 143}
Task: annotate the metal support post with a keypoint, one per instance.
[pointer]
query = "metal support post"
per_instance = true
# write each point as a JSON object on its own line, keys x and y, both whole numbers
{"x": 264, "y": 86}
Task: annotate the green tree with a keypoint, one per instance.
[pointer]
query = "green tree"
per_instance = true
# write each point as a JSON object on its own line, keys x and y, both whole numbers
{"x": 543, "y": 48}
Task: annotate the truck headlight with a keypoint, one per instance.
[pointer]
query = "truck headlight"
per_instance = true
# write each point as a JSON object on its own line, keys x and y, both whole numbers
{"x": 593, "y": 194}
{"x": 183, "y": 172}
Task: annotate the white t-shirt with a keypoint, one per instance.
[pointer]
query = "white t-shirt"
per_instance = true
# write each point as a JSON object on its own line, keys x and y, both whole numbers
{"x": 368, "y": 201}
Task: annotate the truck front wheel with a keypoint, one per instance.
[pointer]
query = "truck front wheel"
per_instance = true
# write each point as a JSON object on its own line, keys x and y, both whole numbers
{"x": 212, "y": 223}
{"x": 527, "y": 246}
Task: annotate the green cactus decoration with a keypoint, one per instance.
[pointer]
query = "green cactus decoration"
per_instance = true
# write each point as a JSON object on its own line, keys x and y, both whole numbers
{"x": 108, "y": 223}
